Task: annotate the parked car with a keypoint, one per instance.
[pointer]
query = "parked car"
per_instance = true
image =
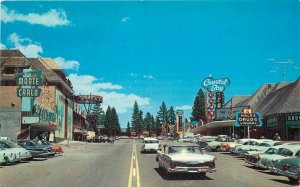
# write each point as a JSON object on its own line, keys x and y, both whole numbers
{"x": 57, "y": 149}
{"x": 37, "y": 150}
{"x": 216, "y": 145}
{"x": 289, "y": 167}
{"x": 2, "y": 155}
{"x": 184, "y": 158}
{"x": 150, "y": 145}
{"x": 228, "y": 146}
{"x": 17, "y": 153}
{"x": 261, "y": 147}
{"x": 289, "y": 151}
{"x": 255, "y": 157}
{"x": 247, "y": 146}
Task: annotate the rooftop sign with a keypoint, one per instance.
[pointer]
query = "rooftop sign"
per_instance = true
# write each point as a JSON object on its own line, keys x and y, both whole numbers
{"x": 215, "y": 85}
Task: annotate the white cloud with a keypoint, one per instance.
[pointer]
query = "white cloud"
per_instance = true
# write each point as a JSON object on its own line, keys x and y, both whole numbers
{"x": 184, "y": 107}
{"x": 125, "y": 19}
{"x": 148, "y": 77}
{"x": 25, "y": 45}
{"x": 67, "y": 64}
{"x": 2, "y": 46}
{"x": 86, "y": 84}
{"x": 51, "y": 18}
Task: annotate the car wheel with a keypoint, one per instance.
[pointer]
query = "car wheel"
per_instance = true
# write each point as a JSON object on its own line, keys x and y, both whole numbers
{"x": 293, "y": 180}
{"x": 218, "y": 149}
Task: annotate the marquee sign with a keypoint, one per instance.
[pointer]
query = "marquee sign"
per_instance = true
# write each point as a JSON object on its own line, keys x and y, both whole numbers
{"x": 248, "y": 118}
{"x": 215, "y": 85}
{"x": 88, "y": 99}
{"x": 29, "y": 82}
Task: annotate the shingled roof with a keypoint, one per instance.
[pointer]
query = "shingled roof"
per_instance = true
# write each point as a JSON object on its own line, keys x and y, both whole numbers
{"x": 235, "y": 100}
{"x": 49, "y": 74}
{"x": 8, "y": 53}
{"x": 258, "y": 97}
{"x": 284, "y": 99}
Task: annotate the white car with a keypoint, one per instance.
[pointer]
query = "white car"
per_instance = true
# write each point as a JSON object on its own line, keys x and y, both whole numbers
{"x": 150, "y": 145}
{"x": 2, "y": 154}
{"x": 184, "y": 158}
{"x": 18, "y": 152}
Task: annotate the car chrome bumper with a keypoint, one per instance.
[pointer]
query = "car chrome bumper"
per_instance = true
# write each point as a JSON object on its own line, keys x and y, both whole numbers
{"x": 192, "y": 170}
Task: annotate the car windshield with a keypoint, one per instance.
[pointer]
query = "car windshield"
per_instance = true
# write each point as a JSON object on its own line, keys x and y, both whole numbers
{"x": 264, "y": 145}
{"x": 184, "y": 149}
{"x": 151, "y": 141}
{"x": 272, "y": 151}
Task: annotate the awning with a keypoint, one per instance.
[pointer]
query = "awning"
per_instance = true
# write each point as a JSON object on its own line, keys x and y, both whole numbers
{"x": 44, "y": 126}
{"x": 213, "y": 125}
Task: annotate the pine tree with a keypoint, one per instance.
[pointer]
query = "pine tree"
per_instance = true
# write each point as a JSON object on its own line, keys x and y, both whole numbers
{"x": 115, "y": 126}
{"x": 153, "y": 128}
{"x": 128, "y": 128}
{"x": 135, "y": 118}
{"x": 141, "y": 123}
{"x": 147, "y": 122}
{"x": 100, "y": 115}
{"x": 107, "y": 120}
{"x": 157, "y": 126}
{"x": 172, "y": 116}
{"x": 163, "y": 113}
{"x": 198, "y": 111}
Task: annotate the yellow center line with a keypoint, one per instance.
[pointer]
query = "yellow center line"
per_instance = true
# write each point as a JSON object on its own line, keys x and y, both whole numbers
{"x": 130, "y": 173}
{"x": 138, "y": 181}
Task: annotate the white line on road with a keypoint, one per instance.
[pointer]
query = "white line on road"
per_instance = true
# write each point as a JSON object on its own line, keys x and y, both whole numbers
{"x": 133, "y": 172}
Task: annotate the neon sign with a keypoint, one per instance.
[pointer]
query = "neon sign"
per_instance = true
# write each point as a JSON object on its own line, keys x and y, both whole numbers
{"x": 215, "y": 85}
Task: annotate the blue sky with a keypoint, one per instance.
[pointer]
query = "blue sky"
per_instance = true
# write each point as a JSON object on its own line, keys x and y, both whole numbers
{"x": 158, "y": 51}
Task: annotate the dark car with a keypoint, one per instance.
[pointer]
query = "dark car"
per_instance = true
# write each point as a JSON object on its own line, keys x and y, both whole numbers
{"x": 38, "y": 150}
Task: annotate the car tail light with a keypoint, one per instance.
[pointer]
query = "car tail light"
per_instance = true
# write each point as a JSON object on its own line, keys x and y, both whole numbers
{"x": 172, "y": 165}
{"x": 211, "y": 164}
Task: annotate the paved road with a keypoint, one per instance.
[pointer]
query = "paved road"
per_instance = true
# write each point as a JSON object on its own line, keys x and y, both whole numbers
{"x": 121, "y": 164}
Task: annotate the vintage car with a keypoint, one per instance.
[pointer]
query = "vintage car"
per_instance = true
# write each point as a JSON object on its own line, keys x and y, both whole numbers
{"x": 248, "y": 146}
{"x": 57, "y": 149}
{"x": 228, "y": 146}
{"x": 184, "y": 158}
{"x": 289, "y": 167}
{"x": 3, "y": 154}
{"x": 216, "y": 145}
{"x": 150, "y": 145}
{"x": 261, "y": 147}
{"x": 289, "y": 151}
{"x": 255, "y": 157}
{"x": 18, "y": 152}
{"x": 37, "y": 149}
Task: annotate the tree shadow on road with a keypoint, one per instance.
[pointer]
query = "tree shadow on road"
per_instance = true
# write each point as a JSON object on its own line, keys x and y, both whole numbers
{"x": 256, "y": 168}
{"x": 226, "y": 153}
{"x": 286, "y": 182}
{"x": 268, "y": 172}
{"x": 182, "y": 176}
